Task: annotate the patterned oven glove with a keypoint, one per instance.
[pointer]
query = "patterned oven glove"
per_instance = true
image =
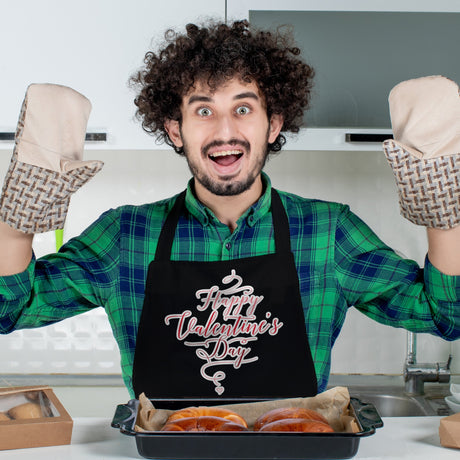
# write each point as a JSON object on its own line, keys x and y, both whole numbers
{"x": 46, "y": 166}
{"x": 425, "y": 155}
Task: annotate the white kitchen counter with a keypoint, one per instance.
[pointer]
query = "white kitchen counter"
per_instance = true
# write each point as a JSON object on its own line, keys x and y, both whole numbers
{"x": 406, "y": 438}
{"x": 403, "y": 438}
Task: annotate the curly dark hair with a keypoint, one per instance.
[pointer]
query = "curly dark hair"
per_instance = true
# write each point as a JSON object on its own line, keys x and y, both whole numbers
{"x": 217, "y": 53}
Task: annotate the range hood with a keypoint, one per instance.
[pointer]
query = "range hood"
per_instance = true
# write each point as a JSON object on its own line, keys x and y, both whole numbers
{"x": 359, "y": 56}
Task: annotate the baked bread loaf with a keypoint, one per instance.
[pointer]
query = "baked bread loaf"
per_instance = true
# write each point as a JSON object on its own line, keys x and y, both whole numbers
{"x": 203, "y": 411}
{"x": 298, "y": 425}
{"x": 203, "y": 423}
{"x": 287, "y": 413}
{"x": 25, "y": 411}
{"x": 293, "y": 419}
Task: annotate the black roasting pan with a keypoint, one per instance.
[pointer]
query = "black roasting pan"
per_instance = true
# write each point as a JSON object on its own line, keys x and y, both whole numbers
{"x": 245, "y": 445}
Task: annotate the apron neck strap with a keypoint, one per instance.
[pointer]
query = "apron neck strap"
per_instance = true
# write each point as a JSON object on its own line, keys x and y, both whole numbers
{"x": 280, "y": 224}
{"x": 166, "y": 238}
{"x": 279, "y": 216}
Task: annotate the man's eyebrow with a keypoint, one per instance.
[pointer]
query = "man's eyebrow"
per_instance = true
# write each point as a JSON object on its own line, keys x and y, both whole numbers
{"x": 203, "y": 98}
{"x": 245, "y": 95}
{"x": 199, "y": 98}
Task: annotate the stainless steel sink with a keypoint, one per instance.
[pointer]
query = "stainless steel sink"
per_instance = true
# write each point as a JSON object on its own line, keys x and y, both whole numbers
{"x": 391, "y": 401}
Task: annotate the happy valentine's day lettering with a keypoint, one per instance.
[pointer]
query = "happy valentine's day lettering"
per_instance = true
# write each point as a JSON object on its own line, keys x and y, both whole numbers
{"x": 225, "y": 338}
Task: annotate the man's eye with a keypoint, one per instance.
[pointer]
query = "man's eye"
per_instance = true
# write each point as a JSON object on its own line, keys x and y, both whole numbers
{"x": 204, "y": 112}
{"x": 243, "y": 110}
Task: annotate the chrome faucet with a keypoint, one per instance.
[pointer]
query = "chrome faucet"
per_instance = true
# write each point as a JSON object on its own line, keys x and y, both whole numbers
{"x": 416, "y": 374}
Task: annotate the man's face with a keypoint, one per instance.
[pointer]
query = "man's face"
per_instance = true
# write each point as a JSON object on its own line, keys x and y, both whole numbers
{"x": 225, "y": 135}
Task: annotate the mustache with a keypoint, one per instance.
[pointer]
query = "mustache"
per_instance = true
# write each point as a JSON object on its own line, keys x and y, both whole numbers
{"x": 233, "y": 142}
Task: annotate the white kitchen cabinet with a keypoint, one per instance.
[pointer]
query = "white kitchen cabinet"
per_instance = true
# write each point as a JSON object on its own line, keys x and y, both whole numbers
{"x": 93, "y": 46}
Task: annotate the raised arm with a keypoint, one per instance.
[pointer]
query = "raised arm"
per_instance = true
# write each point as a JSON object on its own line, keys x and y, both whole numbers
{"x": 444, "y": 249}
{"x": 45, "y": 169}
{"x": 16, "y": 250}
{"x": 425, "y": 158}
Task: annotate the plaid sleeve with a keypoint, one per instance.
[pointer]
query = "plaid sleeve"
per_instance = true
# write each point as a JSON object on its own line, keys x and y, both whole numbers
{"x": 81, "y": 276}
{"x": 446, "y": 288}
{"x": 390, "y": 289}
{"x": 14, "y": 294}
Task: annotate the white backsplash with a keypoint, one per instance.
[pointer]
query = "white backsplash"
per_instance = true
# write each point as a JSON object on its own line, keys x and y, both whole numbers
{"x": 84, "y": 345}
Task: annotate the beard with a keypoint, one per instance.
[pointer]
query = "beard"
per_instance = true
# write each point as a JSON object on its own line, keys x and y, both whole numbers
{"x": 226, "y": 185}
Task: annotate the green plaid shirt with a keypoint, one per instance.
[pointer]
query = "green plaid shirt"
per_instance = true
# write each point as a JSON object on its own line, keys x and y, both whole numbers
{"x": 340, "y": 263}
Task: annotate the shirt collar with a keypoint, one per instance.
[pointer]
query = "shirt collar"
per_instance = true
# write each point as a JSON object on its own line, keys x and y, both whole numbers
{"x": 205, "y": 216}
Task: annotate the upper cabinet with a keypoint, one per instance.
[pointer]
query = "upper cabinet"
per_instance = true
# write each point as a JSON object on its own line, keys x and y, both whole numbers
{"x": 360, "y": 50}
{"x": 92, "y": 46}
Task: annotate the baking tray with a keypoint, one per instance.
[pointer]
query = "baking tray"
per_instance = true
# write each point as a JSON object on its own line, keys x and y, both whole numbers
{"x": 246, "y": 445}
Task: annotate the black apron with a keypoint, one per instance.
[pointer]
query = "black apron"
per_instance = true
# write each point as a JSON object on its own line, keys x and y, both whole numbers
{"x": 224, "y": 329}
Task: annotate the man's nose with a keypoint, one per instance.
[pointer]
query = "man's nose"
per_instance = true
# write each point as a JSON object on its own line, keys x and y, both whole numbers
{"x": 227, "y": 127}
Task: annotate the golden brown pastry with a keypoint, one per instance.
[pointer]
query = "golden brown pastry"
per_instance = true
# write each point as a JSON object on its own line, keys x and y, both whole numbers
{"x": 4, "y": 417}
{"x": 298, "y": 425}
{"x": 287, "y": 412}
{"x": 202, "y": 411}
{"x": 203, "y": 423}
{"x": 25, "y": 411}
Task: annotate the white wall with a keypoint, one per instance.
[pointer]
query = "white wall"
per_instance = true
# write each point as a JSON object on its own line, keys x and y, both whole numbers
{"x": 361, "y": 179}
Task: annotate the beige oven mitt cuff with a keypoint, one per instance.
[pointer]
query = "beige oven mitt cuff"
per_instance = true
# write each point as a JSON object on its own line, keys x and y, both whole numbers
{"x": 425, "y": 152}
{"x": 47, "y": 165}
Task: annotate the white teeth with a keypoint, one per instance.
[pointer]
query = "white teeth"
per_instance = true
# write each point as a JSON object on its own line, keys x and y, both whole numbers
{"x": 226, "y": 153}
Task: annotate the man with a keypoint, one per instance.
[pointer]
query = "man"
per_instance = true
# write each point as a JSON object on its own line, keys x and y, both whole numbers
{"x": 230, "y": 289}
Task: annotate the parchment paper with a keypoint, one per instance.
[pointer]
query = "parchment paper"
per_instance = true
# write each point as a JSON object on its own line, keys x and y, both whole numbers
{"x": 332, "y": 404}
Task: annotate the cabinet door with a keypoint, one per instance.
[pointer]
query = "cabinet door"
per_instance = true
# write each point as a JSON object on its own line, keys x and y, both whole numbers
{"x": 93, "y": 46}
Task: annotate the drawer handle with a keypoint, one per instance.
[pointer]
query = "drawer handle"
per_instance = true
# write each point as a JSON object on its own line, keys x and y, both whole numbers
{"x": 362, "y": 137}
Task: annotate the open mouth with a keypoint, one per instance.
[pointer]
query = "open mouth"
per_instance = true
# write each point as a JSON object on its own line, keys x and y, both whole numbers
{"x": 226, "y": 157}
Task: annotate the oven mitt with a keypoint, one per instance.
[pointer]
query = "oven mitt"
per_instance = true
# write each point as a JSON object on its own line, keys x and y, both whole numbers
{"x": 425, "y": 152}
{"x": 46, "y": 166}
